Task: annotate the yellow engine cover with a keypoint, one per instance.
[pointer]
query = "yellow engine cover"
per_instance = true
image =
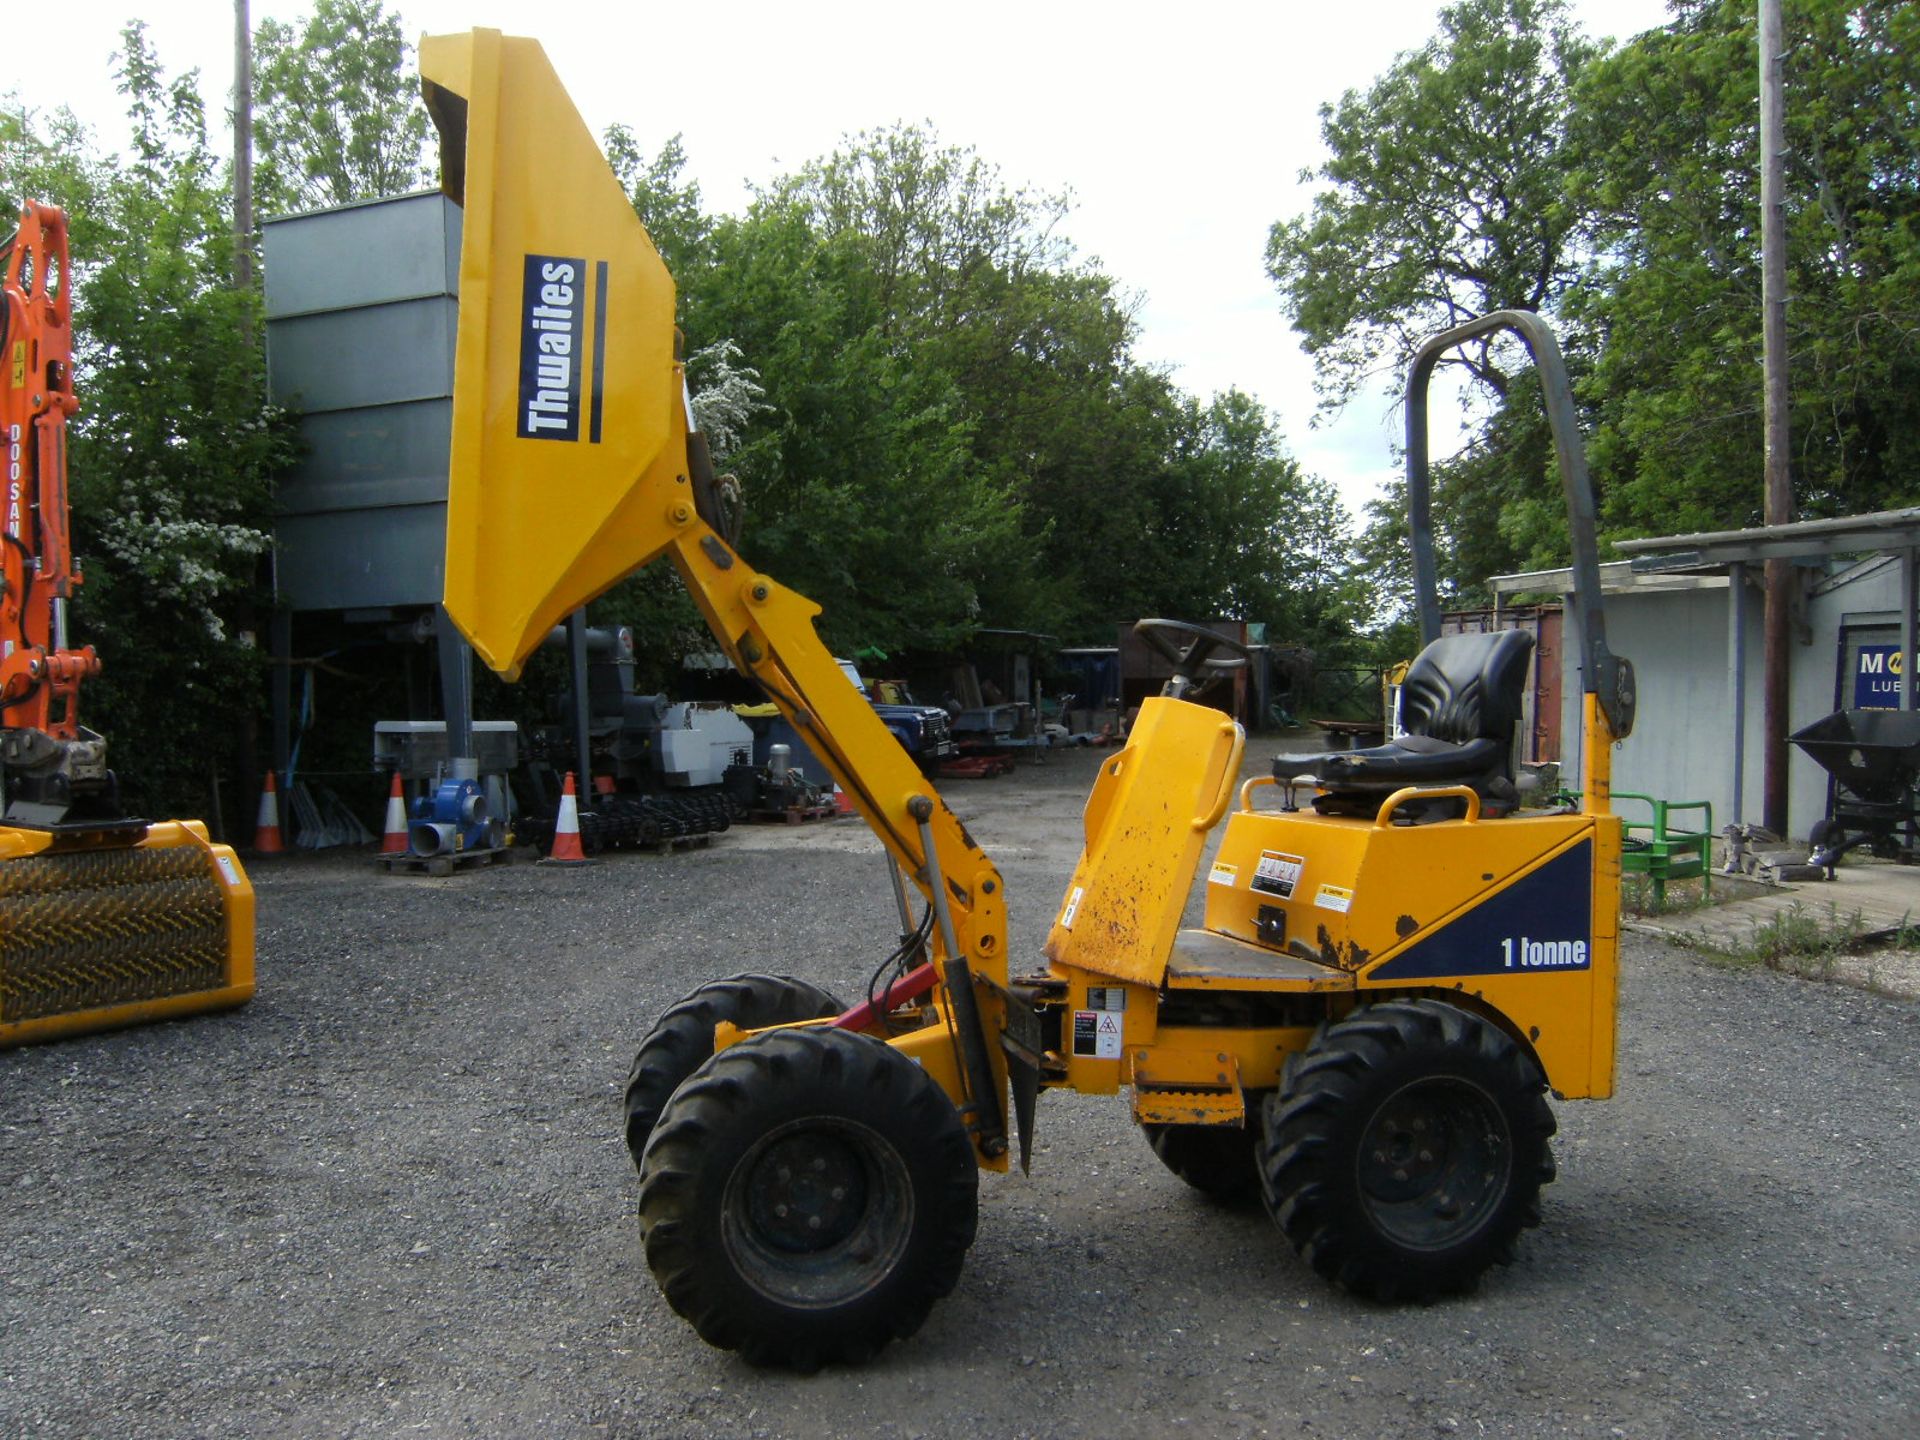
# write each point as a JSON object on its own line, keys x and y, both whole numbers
{"x": 1146, "y": 821}
{"x": 115, "y": 935}
{"x": 1521, "y": 913}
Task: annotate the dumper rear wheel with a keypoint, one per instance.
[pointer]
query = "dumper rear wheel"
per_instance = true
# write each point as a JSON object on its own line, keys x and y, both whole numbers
{"x": 1217, "y": 1160}
{"x": 682, "y": 1040}
{"x": 1405, "y": 1150}
{"x": 807, "y": 1196}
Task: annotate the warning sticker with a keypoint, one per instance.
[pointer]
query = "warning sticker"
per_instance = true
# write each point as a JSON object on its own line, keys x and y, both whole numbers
{"x": 1334, "y": 897}
{"x": 1106, "y": 997}
{"x": 228, "y": 869}
{"x": 1097, "y": 1033}
{"x": 1223, "y": 873}
{"x": 1073, "y": 907}
{"x": 1278, "y": 873}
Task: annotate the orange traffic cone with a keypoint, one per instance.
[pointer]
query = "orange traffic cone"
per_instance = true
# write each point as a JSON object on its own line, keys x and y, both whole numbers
{"x": 394, "y": 841}
{"x": 266, "y": 829}
{"x": 566, "y": 830}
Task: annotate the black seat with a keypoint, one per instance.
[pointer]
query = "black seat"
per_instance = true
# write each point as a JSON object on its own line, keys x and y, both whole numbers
{"x": 1459, "y": 704}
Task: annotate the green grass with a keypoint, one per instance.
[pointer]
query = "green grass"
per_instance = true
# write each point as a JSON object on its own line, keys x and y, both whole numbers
{"x": 1636, "y": 896}
{"x": 1796, "y": 941}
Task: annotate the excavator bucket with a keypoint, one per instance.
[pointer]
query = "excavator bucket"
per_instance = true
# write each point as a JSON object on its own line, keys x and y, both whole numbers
{"x": 116, "y": 934}
{"x": 569, "y": 415}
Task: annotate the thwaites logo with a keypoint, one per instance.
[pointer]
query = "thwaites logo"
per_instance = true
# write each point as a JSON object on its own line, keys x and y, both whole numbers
{"x": 553, "y": 347}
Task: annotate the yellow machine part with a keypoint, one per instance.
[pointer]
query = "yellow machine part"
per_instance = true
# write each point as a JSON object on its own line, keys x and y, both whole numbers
{"x": 573, "y": 465}
{"x": 1146, "y": 822}
{"x": 1519, "y": 913}
{"x": 107, "y": 935}
{"x": 564, "y": 367}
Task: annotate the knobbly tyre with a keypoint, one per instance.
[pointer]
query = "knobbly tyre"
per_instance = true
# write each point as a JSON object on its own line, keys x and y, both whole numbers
{"x": 1344, "y": 1036}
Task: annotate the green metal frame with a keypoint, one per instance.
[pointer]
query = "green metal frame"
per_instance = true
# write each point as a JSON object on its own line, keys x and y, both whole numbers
{"x": 1666, "y": 853}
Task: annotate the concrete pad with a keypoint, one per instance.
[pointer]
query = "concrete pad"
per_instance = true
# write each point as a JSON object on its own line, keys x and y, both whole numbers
{"x": 1875, "y": 900}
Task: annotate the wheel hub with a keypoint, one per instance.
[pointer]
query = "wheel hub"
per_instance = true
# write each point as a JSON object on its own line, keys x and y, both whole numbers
{"x": 807, "y": 1192}
{"x": 1434, "y": 1162}
{"x": 817, "y": 1212}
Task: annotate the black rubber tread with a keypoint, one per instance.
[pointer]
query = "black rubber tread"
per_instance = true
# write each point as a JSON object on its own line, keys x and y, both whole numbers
{"x": 711, "y": 1128}
{"x": 1309, "y": 1150}
{"x": 1220, "y": 1161}
{"x": 682, "y": 1040}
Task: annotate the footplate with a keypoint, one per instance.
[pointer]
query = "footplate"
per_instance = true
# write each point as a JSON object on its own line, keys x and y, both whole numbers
{"x": 1189, "y": 1107}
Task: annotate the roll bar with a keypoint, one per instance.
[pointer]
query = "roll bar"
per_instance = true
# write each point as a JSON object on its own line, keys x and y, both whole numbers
{"x": 1604, "y": 675}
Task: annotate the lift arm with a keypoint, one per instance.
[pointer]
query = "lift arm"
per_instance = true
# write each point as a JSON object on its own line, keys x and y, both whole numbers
{"x": 575, "y": 462}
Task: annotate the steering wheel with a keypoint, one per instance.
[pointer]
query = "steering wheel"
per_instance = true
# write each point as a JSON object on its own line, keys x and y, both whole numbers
{"x": 1194, "y": 667}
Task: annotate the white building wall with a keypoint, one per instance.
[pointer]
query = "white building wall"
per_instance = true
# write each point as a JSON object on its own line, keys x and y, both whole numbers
{"x": 1682, "y": 742}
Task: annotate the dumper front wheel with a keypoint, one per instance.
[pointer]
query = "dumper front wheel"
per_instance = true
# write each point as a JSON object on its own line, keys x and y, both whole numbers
{"x": 1405, "y": 1150}
{"x": 681, "y": 1041}
{"x": 807, "y": 1196}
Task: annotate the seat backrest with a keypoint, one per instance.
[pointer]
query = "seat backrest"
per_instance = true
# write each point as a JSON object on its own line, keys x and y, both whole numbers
{"x": 1467, "y": 687}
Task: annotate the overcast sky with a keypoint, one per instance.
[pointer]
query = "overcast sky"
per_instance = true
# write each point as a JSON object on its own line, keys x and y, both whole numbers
{"x": 1180, "y": 130}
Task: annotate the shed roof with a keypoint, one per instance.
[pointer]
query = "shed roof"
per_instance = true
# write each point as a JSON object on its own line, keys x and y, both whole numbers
{"x": 1881, "y": 532}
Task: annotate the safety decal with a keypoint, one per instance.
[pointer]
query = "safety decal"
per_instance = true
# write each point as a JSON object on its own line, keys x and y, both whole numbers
{"x": 228, "y": 869}
{"x": 1539, "y": 925}
{"x": 1073, "y": 907}
{"x": 19, "y": 364}
{"x": 1333, "y": 897}
{"x": 1278, "y": 873}
{"x": 1097, "y": 1033}
{"x": 1106, "y": 997}
{"x": 1223, "y": 873}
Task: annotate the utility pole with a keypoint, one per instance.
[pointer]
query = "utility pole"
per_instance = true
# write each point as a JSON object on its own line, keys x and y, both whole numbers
{"x": 242, "y": 146}
{"x": 248, "y": 740}
{"x": 1773, "y": 305}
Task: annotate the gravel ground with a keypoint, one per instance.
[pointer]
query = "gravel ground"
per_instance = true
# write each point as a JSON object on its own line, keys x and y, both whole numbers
{"x": 390, "y": 1198}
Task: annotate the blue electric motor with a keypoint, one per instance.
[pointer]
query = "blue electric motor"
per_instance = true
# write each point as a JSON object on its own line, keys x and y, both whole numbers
{"x": 453, "y": 820}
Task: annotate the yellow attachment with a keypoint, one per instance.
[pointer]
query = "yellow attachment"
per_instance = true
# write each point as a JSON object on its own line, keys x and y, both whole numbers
{"x": 100, "y": 937}
{"x": 1146, "y": 821}
{"x": 568, "y": 418}
{"x": 542, "y": 515}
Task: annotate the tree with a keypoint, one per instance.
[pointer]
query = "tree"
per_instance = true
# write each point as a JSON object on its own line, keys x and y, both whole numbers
{"x": 878, "y": 481}
{"x": 1242, "y": 531}
{"x": 50, "y": 159}
{"x": 667, "y": 205}
{"x": 940, "y": 426}
{"x": 1670, "y": 172}
{"x": 338, "y": 115}
{"x": 174, "y": 446}
{"x": 1444, "y": 200}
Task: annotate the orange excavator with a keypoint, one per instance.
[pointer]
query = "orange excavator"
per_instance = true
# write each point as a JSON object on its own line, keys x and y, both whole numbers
{"x": 105, "y": 919}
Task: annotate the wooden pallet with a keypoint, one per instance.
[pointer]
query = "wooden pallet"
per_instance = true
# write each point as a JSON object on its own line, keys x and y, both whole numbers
{"x": 796, "y": 815}
{"x": 441, "y": 866}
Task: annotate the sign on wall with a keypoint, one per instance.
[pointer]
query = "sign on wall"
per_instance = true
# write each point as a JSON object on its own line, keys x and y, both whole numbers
{"x": 1877, "y": 681}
